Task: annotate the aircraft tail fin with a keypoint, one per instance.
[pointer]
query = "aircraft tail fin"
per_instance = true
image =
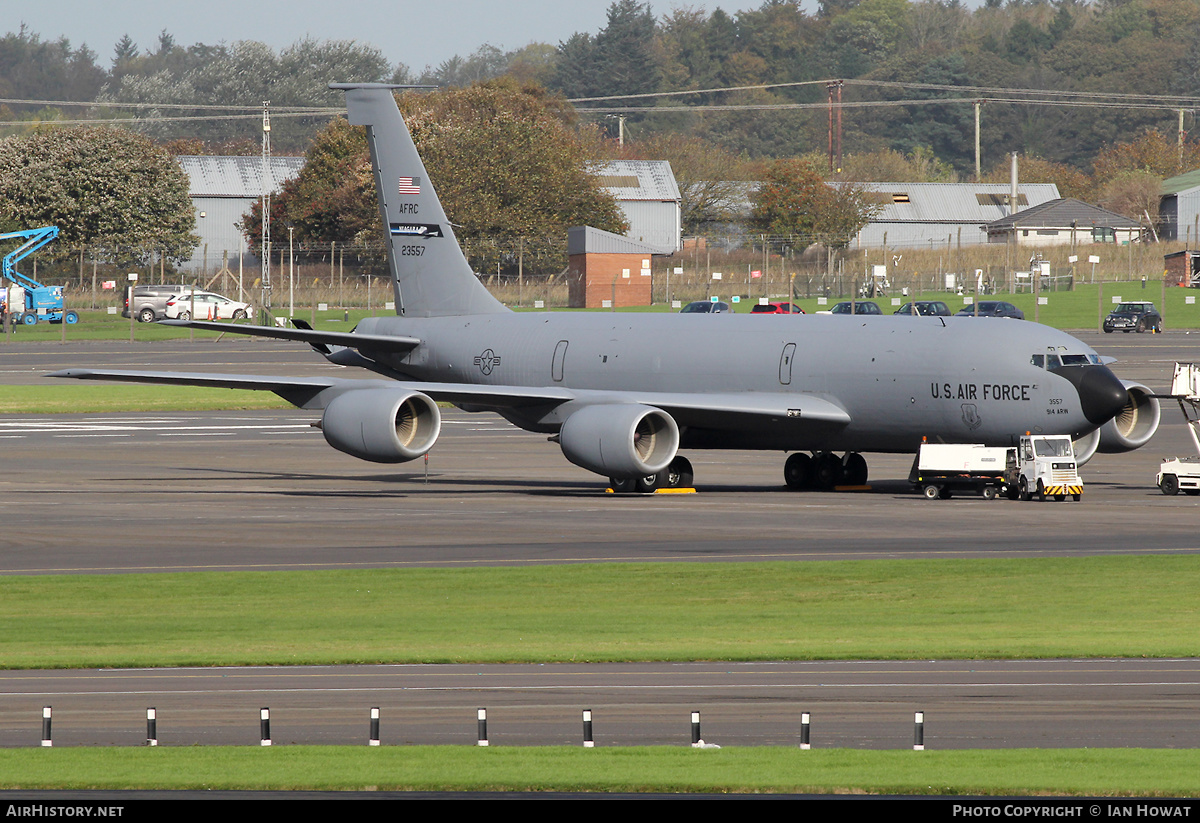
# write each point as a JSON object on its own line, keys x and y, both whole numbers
{"x": 430, "y": 275}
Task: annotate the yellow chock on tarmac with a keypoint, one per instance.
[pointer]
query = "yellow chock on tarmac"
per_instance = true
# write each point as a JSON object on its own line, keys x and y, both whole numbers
{"x": 657, "y": 491}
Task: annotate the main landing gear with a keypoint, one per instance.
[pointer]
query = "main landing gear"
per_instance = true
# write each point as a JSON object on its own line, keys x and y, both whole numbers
{"x": 678, "y": 475}
{"x": 824, "y": 470}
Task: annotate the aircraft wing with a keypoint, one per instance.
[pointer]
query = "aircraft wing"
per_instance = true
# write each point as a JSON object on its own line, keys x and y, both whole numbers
{"x": 687, "y": 408}
{"x": 320, "y": 339}
{"x": 316, "y": 392}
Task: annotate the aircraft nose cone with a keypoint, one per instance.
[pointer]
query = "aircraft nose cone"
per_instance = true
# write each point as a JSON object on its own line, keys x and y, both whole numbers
{"x": 1101, "y": 394}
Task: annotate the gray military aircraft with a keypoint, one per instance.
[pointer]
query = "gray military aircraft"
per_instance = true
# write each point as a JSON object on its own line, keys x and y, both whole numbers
{"x": 623, "y": 393}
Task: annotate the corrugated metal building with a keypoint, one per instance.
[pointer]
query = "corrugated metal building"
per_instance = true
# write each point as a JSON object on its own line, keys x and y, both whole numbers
{"x": 648, "y": 196}
{"x": 223, "y": 189}
{"x": 917, "y": 215}
{"x": 1179, "y": 208}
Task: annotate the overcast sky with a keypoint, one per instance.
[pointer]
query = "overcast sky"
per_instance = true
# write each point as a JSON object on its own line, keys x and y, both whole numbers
{"x": 414, "y": 32}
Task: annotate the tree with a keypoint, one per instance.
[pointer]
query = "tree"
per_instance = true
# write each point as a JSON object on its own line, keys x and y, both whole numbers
{"x": 1152, "y": 152}
{"x": 102, "y": 187}
{"x": 505, "y": 159}
{"x": 794, "y": 200}
{"x": 620, "y": 59}
{"x": 333, "y": 197}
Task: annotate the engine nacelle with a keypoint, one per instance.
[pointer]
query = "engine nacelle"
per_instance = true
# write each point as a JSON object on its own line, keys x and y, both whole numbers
{"x": 1085, "y": 447}
{"x": 382, "y": 425}
{"x": 620, "y": 440}
{"x": 1134, "y": 425}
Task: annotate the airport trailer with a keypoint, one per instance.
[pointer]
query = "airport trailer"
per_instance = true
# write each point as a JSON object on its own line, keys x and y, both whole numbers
{"x": 1183, "y": 473}
{"x": 1041, "y": 466}
{"x": 940, "y": 469}
{"x": 26, "y": 300}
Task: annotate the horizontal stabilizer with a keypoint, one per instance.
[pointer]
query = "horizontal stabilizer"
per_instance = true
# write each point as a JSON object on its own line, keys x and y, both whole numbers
{"x": 351, "y": 340}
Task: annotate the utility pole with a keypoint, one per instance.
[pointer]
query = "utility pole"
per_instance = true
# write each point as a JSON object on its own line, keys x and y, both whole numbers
{"x": 266, "y": 210}
{"x": 978, "y": 174}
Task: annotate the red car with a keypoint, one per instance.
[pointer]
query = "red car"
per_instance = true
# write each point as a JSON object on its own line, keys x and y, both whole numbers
{"x": 777, "y": 308}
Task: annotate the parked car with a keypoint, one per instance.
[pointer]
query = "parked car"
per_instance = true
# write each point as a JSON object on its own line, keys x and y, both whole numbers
{"x": 991, "y": 308}
{"x": 860, "y": 307}
{"x": 150, "y": 301}
{"x": 1138, "y": 317}
{"x": 925, "y": 308}
{"x": 704, "y": 307}
{"x": 777, "y": 308}
{"x": 207, "y": 306}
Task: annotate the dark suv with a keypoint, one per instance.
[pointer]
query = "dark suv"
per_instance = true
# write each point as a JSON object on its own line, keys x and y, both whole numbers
{"x": 150, "y": 302}
{"x": 925, "y": 308}
{"x": 860, "y": 307}
{"x": 1138, "y": 317}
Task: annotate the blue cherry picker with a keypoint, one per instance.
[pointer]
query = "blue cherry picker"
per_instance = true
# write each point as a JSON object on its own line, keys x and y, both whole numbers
{"x": 25, "y": 299}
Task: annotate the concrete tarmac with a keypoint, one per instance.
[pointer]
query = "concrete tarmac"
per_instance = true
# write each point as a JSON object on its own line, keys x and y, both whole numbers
{"x": 853, "y": 704}
{"x": 261, "y": 490}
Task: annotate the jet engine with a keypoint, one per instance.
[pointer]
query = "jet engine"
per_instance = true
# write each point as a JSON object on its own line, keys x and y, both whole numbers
{"x": 1128, "y": 430}
{"x": 382, "y": 425}
{"x": 1134, "y": 425}
{"x": 620, "y": 440}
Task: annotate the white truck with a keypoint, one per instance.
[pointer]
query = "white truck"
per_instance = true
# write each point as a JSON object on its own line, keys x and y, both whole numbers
{"x": 1039, "y": 465}
{"x": 1183, "y": 473}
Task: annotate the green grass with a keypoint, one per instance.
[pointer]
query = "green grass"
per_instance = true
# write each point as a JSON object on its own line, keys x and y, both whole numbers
{"x": 1082, "y": 308}
{"x": 1110, "y": 772}
{"x": 1074, "y": 607}
{"x": 74, "y": 397}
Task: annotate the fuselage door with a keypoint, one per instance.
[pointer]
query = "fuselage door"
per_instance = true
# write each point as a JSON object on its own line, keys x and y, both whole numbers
{"x": 785, "y": 364}
{"x": 560, "y": 356}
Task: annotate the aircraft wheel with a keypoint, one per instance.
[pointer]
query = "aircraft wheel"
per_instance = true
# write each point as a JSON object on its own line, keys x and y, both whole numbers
{"x": 856, "y": 469}
{"x": 1169, "y": 485}
{"x": 931, "y": 492}
{"x": 622, "y": 485}
{"x": 29, "y": 319}
{"x": 648, "y": 483}
{"x": 829, "y": 471}
{"x": 797, "y": 471}
{"x": 679, "y": 474}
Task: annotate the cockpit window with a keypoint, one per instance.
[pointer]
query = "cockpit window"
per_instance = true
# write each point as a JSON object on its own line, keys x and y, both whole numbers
{"x": 1038, "y": 360}
{"x": 1075, "y": 360}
